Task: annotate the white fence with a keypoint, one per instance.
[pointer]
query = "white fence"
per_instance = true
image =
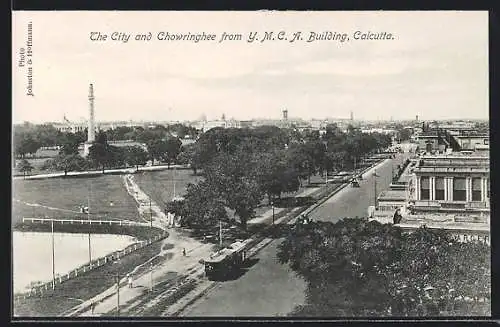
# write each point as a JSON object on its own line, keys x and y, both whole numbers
{"x": 84, "y": 221}
{"x": 39, "y": 290}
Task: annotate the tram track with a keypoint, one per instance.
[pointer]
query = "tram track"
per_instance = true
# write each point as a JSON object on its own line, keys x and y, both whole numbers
{"x": 261, "y": 240}
{"x": 182, "y": 291}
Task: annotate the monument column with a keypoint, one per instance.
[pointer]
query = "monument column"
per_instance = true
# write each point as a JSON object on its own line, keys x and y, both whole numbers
{"x": 90, "y": 126}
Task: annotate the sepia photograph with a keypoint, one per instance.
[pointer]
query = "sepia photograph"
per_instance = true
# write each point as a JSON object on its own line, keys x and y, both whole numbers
{"x": 250, "y": 164}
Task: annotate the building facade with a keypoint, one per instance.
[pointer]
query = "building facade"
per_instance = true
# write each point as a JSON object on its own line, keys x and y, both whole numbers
{"x": 451, "y": 184}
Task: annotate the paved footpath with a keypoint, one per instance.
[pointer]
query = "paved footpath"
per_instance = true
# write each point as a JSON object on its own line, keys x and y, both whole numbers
{"x": 98, "y": 172}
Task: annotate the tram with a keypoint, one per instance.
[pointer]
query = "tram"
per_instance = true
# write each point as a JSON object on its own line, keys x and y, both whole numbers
{"x": 220, "y": 264}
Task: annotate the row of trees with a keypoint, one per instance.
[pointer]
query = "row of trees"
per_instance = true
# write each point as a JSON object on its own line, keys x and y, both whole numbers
{"x": 28, "y": 139}
{"x": 357, "y": 267}
{"x": 242, "y": 166}
{"x": 103, "y": 156}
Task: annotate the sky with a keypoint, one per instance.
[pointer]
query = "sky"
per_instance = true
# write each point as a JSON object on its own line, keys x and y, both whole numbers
{"x": 436, "y": 66}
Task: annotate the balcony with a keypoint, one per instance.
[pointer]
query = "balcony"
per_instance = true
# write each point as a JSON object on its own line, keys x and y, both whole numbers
{"x": 432, "y": 205}
{"x": 477, "y": 205}
{"x": 427, "y": 203}
{"x": 453, "y": 205}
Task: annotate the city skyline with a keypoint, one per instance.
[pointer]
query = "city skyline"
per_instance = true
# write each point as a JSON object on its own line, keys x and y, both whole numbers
{"x": 425, "y": 71}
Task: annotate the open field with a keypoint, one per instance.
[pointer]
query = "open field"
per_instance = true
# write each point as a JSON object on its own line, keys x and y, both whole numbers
{"x": 159, "y": 185}
{"x": 61, "y": 198}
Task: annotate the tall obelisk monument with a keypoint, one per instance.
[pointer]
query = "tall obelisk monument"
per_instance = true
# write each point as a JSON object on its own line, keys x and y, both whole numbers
{"x": 90, "y": 127}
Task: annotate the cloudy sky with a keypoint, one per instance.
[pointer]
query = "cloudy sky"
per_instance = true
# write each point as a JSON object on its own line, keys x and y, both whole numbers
{"x": 436, "y": 66}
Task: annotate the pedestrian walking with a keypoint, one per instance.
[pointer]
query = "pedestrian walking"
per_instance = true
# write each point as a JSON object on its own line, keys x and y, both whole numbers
{"x": 184, "y": 251}
{"x": 129, "y": 281}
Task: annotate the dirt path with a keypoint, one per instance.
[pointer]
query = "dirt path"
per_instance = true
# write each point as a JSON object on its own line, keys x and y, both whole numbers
{"x": 44, "y": 206}
{"x": 170, "y": 259}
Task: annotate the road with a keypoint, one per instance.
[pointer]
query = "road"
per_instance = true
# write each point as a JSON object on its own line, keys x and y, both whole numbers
{"x": 271, "y": 289}
{"x": 99, "y": 172}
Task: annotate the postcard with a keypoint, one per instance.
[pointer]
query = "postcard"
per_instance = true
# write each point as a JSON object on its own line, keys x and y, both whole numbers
{"x": 292, "y": 164}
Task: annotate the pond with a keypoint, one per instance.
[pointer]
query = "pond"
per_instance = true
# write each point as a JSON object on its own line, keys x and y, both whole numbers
{"x": 32, "y": 254}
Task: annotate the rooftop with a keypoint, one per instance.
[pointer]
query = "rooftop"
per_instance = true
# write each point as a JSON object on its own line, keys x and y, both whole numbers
{"x": 393, "y": 195}
{"x": 448, "y": 222}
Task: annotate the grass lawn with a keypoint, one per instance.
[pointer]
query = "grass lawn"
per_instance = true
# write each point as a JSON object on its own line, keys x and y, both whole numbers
{"x": 67, "y": 194}
{"x": 159, "y": 185}
{"x": 66, "y": 296}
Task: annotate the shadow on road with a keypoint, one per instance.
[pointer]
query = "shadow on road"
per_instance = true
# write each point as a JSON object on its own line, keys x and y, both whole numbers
{"x": 291, "y": 202}
{"x": 237, "y": 273}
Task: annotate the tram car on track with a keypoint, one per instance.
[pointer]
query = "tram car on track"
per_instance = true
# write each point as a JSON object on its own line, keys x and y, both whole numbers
{"x": 225, "y": 261}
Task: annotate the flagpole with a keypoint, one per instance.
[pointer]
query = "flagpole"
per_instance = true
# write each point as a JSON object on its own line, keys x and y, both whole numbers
{"x": 53, "y": 256}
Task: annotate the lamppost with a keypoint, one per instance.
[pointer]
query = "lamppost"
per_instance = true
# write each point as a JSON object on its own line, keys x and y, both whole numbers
{"x": 117, "y": 280}
{"x": 272, "y": 204}
{"x": 88, "y": 218}
{"x": 375, "y": 188}
{"x": 150, "y": 213}
{"x": 53, "y": 255}
{"x": 151, "y": 278}
{"x": 326, "y": 168}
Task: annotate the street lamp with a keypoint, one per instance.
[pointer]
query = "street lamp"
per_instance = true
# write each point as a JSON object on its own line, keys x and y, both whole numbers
{"x": 151, "y": 278}
{"x": 375, "y": 188}
{"x": 272, "y": 204}
{"x": 88, "y": 218}
{"x": 151, "y": 213}
{"x": 326, "y": 168}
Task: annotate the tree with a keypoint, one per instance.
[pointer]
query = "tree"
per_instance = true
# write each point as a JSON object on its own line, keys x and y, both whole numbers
{"x": 99, "y": 155}
{"x": 357, "y": 267}
{"x": 187, "y": 156}
{"x": 301, "y": 160}
{"x": 136, "y": 156}
{"x": 25, "y": 144}
{"x": 115, "y": 156}
{"x": 157, "y": 149}
{"x": 25, "y": 167}
{"x": 172, "y": 149}
{"x": 234, "y": 180}
{"x": 68, "y": 162}
{"x": 202, "y": 206}
{"x": 276, "y": 174}
{"x": 70, "y": 145}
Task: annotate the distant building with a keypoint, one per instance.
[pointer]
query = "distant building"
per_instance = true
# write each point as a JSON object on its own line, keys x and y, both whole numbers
{"x": 472, "y": 141}
{"x": 232, "y": 123}
{"x": 70, "y": 127}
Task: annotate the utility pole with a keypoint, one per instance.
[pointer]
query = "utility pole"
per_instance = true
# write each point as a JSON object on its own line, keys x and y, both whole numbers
{"x": 151, "y": 278}
{"x": 173, "y": 179}
{"x": 53, "y": 257}
{"x": 326, "y": 168}
{"x": 117, "y": 278}
{"x": 272, "y": 203}
{"x": 151, "y": 213}
{"x": 88, "y": 218}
